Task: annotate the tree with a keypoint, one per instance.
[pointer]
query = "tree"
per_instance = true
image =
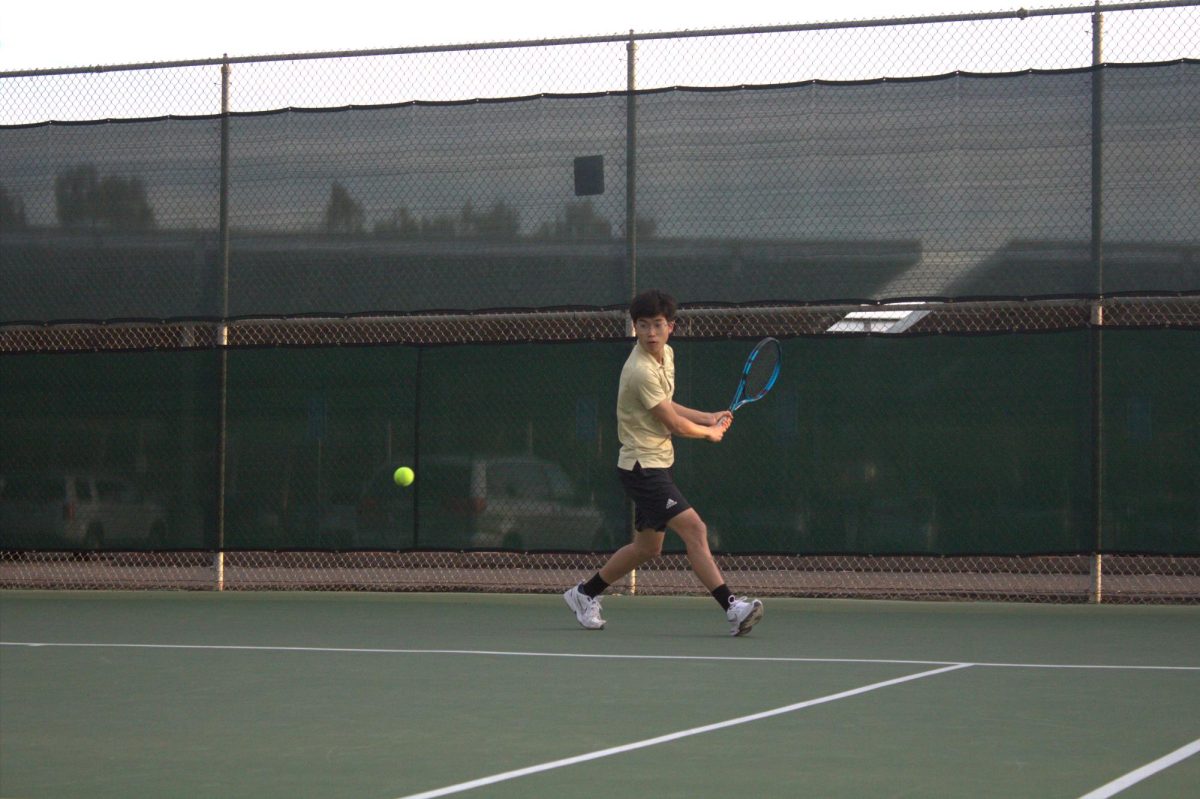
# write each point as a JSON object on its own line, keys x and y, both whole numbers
{"x": 12, "y": 211}
{"x": 83, "y": 199}
{"x": 75, "y": 191}
{"x": 401, "y": 225}
{"x": 580, "y": 222}
{"x": 343, "y": 214}
{"x": 500, "y": 222}
{"x": 123, "y": 203}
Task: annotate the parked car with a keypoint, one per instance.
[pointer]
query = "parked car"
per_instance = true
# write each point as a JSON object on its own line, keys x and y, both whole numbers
{"x": 78, "y": 511}
{"x": 510, "y": 502}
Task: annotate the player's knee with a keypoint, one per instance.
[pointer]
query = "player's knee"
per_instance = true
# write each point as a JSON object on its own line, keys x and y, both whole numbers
{"x": 695, "y": 535}
{"x": 648, "y": 550}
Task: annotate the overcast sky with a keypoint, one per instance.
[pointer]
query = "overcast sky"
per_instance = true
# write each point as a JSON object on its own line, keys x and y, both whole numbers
{"x": 86, "y": 32}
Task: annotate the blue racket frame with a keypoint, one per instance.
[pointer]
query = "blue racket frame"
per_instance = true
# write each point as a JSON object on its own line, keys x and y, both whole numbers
{"x": 738, "y": 396}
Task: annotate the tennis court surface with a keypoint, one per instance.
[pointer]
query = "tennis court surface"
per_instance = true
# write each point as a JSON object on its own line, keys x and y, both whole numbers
{"x": 114, "y": 694}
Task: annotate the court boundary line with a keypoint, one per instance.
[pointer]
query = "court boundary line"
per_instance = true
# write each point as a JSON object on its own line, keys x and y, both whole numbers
{"x": 587, "y": 655}
{"x": 505, "y": 776}
{"x": 1105, "y": 791}
{"x": 1145, "y": 772}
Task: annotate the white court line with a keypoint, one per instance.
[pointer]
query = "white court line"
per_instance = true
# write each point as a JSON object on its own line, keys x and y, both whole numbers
{"x": 1148, "y": 770}
{"x": 591, "y": 656}
{"x": 1112, "y": 788}
{"x": 674, "y": 736}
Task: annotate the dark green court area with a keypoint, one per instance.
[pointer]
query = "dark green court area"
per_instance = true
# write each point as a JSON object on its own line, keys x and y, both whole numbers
{"x": 336, "y": 695}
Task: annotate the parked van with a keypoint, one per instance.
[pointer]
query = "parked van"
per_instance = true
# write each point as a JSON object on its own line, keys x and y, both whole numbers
{"x": 78, "y": 511}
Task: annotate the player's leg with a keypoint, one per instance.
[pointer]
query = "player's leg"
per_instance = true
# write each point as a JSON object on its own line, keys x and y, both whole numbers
{"x": 646, "y": 545}
{"x": 742, "y": 613}
{"x": 584, "y": 598}
{"x": 694, "y": 532}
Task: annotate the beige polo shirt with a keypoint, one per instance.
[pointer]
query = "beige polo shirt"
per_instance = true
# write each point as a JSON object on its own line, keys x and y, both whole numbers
{"x": 645, "y": 383}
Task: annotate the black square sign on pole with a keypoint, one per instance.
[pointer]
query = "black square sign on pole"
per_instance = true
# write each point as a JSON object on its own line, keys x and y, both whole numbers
{"x": 589, "y": 175}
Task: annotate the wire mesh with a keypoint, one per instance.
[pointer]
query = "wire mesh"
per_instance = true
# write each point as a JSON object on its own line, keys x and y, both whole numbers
{"x": 317, "y": 233}
{"x": 848, "y": 174}
{"x": 893, "y": 319}
{"x": 1069, "y": 578}
{"x": 1002, "y": 41}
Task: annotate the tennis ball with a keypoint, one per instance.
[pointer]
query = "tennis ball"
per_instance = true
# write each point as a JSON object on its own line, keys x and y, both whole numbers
{"x": 404, "y": 476}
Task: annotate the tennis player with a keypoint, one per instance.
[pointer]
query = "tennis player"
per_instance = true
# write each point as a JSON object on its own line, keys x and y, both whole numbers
{"x": 647, "y": 418}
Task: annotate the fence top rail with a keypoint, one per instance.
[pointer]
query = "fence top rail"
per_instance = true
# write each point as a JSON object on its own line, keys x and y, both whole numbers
{"x": 1019, "y": 13}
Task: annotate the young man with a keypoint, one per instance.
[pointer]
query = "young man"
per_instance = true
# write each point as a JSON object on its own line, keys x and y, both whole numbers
{"x": 647, "y": 418}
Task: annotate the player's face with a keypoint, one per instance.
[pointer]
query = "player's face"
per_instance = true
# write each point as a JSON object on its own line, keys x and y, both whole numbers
{"x": 653, "y": 332}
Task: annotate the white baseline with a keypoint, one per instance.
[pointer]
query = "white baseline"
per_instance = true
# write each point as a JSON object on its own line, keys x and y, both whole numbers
{"x": 588, "y": 656}
{"x": 674, "y": 736}
{"x": 1148, "y": 770}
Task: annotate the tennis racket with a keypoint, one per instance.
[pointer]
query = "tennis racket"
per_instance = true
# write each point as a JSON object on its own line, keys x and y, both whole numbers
{"x": 759, "y": 374}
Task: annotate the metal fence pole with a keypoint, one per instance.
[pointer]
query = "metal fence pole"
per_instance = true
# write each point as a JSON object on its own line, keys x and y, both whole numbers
{"x": 631, "y": 163}
{"x": 223, "y": 327}
{"x": 1095, "y": 590}
{"x": 631, "y": 213}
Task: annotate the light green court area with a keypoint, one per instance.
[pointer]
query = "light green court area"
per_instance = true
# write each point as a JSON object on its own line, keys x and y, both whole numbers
{"x": 393, "y": 695}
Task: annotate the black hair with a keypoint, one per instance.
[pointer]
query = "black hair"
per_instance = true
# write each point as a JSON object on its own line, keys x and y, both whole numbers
{"x": 653, "y": 303}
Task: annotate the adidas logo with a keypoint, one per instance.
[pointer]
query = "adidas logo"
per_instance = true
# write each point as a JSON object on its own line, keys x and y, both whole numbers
{"x": 671, "y": 503}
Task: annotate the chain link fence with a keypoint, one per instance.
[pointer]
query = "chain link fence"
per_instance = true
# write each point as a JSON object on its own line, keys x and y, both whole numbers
{"x": 1062, "y": 579}
{"x": 1005, "y": 41}
{"x": 892, "y": 319}
{"x": 239, "y": 290}
{"x": 827, "y": 163}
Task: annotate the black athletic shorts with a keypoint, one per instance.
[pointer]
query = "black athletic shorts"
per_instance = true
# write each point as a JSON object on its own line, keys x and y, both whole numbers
{"x": 656, "y": 499}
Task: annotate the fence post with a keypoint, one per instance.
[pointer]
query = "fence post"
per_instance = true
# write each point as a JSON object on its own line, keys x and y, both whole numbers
{"x": 631, "y": 162}
{"x": 631, "y": 209}
{"x": 1095, "y": 589}
{"x": 223, "y": 325}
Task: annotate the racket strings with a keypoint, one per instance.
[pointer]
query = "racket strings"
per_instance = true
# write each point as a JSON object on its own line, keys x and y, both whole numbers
{"x": 762, "y": 368}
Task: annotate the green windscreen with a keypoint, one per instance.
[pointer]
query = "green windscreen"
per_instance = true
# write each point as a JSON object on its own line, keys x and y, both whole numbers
{"x": 518, "y": 447}
{"x": 1151, "y": 439}
{"x": 942, "y": 445}
{"x": 875, "y": 445}
{"x": 109, "y": 451}
{"x": 307, "y": 430}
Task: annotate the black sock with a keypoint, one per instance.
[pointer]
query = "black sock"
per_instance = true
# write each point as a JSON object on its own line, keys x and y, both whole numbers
{"x": 723, "y": 595}
{"x": 593, "y": 587}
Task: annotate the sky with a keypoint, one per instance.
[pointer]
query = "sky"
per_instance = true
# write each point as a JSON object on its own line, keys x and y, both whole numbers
{"x": 71, "y": 33}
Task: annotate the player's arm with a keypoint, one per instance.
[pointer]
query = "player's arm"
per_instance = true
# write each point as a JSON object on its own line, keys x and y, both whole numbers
{"x": 702, "y": 417}
{"x": 680, "y": 425}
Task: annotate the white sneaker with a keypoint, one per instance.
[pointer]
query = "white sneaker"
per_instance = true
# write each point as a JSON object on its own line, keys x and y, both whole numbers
{"x": 587, "y": 609}
{"x": 743, "y": 614}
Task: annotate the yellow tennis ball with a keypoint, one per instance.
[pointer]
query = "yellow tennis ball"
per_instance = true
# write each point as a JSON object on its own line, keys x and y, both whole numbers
{"x": 404, "y": 476}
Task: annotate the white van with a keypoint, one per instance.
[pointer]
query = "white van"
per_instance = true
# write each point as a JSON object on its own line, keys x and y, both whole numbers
{"x": 78, "y": 511}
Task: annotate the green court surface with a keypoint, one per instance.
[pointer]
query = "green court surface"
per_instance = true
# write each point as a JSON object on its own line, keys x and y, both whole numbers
{"x": 397, "y": 695}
